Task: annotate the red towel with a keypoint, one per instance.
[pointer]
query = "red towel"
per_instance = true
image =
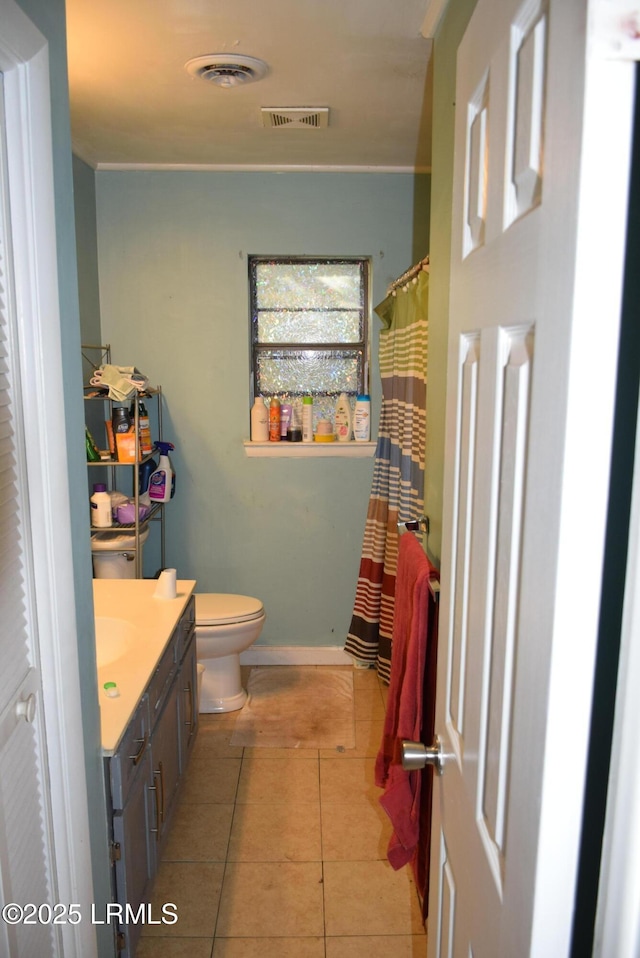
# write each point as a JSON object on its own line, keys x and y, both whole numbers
{"x": 414, "y": 628}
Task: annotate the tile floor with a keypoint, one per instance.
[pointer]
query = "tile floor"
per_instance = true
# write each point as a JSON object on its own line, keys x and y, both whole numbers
{"x": 281, "y": 853}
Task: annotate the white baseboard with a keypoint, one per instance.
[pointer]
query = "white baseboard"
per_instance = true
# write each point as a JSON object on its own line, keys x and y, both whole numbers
{"x": 295, "y": 655}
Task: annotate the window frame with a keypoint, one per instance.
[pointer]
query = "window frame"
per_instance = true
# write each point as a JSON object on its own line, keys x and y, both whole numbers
{"x": 358, "y": 346}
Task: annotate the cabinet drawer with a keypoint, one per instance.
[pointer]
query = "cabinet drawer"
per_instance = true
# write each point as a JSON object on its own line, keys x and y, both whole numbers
{"x": 124, "y": 764}
{"x": 160, "y": 681}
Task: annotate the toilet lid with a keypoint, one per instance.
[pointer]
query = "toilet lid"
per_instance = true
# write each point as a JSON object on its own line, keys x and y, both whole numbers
{"x": 224, "y": 607}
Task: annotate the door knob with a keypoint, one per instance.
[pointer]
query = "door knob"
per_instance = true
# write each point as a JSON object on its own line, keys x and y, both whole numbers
{"x": 416, "y": 755}
{"x": 26, "y": 708}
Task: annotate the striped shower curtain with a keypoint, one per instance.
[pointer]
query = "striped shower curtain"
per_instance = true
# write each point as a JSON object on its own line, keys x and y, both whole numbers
{"x": 397, "y": 489}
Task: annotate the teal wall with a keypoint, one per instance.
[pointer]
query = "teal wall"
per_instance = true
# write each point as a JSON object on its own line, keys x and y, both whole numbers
{"x": 49, "y": 17}
{"x": 84, "y": 187}
{"x": 172, "y": 253}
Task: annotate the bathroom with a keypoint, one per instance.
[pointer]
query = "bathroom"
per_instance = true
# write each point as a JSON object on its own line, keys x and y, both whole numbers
{"x": 154, "y": 279}
{"x": 179, "y": 312}
{"x": 292, "y": 529}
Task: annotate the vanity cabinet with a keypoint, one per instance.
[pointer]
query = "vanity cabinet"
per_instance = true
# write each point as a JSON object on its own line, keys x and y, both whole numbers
{"x": 144, "y": 775}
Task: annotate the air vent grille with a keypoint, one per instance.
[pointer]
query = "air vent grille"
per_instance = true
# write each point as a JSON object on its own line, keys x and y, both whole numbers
{"x": 291, "y": 117}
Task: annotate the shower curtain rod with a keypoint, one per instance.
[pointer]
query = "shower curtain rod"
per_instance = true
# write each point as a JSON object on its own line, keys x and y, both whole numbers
{"x": 408, "y": 276}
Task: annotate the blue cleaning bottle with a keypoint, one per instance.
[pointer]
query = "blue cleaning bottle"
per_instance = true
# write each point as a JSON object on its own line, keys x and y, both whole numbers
{"x": 162, "y": 481}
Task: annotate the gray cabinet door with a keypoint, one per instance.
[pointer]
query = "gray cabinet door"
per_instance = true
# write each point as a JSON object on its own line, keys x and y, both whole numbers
{"x": 188, "y": 703}
{"x": 136, "y": 864}
{"x": 165, "y": 755}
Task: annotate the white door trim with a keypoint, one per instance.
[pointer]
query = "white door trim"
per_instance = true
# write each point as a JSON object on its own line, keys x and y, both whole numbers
{"x": 24, "y": 62}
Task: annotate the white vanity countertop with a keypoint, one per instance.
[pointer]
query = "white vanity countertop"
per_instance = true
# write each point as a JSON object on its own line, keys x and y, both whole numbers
{"x": 155, "y": 620}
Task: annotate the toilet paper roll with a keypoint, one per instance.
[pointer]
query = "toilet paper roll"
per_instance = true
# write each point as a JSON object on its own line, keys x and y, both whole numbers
{"x": 166, "y": 587}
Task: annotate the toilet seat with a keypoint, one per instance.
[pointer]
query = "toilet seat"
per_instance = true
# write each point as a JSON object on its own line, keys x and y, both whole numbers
{"x": 221, "y": 608}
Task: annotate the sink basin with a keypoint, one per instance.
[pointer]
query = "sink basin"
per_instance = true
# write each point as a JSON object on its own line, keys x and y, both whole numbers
{"x": 114, "y": 638}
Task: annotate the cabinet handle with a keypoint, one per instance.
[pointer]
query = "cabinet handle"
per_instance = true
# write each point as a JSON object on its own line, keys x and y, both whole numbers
{"x": 189, "y": 689}
{"x": 159, "y": 801}
{"x": 154, "y": 788}
{"x": 160, "y": 772}
{"x": 137, "y": 758}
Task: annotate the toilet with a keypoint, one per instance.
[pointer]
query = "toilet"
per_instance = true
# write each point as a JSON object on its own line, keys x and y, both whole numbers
{"x": 226, "y": 625}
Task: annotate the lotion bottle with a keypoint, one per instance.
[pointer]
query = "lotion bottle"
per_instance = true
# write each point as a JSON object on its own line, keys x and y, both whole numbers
{"x": 343, "y": 418}
{"x": 362, "y": 419}
{"x": 259, "y": 421}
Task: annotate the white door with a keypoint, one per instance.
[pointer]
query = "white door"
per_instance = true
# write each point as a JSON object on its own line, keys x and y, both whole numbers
{"x": 44, "y": 825}
{"x": 540, "y": 192}
{"x": 25, "y": 821}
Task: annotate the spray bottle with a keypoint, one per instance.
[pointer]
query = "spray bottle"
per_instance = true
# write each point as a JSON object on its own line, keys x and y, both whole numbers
{"x": 162, "y": 482}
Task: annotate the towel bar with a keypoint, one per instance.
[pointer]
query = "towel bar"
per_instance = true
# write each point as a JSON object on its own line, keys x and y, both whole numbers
{"x": 415, "y": 525}
{"x": 422, "y": 525}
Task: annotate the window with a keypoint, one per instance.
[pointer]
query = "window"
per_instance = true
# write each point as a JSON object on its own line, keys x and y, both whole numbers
{"x": 309, "y": 325}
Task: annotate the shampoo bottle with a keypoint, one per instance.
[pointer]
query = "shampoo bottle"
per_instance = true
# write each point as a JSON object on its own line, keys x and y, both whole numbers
{"x": 259, "y": 421}
{"x": 162, "y": 481}
{"x": 362, "y": 419}
{"x": 343, "y": 418}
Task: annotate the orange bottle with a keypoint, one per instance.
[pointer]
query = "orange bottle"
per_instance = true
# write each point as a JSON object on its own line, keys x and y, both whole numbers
{"x": 274, "y": 420}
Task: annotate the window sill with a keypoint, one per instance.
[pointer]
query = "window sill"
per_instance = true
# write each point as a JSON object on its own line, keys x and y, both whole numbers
{"x": 309, "y": 450}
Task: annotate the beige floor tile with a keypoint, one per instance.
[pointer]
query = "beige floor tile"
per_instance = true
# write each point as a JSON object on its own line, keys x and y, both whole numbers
{"x": 368, "y": 704}
{"x": 213, "y": 739}
{"x": 275, "y": 833}
{"x": 278, "y": 781}
{"x": 354, "y": 833}
{"x": 269, "y": 948}
{"x": 199, "y": 833}
{"x": 194, "y": 887}
{"x": 174, "y": 948}
{"x": 211, "y": 781}
{"x": 289, "y": 753}
{"x": 387, "y": 946}
{"x": 368, "y": 739}
{"x": 271, "y": 900}
{"x": 348, "y": 782}
{"x": 369, "y": 898}
{"x": 365, "y": 679}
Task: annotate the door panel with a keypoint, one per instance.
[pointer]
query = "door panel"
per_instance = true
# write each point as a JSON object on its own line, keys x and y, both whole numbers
{"x": 532, "y": 336}
{"x": 25, "y": 835}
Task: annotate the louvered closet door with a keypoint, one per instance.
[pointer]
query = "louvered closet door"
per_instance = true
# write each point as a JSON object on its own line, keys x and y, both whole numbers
{"x": 542, "y": 121}
{"x": 25, "y": 875}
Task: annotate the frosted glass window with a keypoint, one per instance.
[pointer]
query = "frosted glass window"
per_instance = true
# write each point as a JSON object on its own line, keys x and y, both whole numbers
{"x": 309, "y": 326}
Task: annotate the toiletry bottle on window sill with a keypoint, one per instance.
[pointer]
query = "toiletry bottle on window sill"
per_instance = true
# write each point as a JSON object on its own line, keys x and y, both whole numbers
{"x": 307, "y": 419}
{"x": 285, "y": 419}
{"x": 343, "y": 418}
{"x": 259, "y": 421}
{"x": 274, "y": 419}
{"x": 362, "y": 419}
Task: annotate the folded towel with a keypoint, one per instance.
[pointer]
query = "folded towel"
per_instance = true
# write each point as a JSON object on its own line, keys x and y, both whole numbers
{"x": 122, "y": 381}
{"x": 404, "y": 713}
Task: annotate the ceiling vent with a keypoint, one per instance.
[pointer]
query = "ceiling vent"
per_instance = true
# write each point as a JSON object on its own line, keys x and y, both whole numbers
{"x": 312, "y": 117}
{"x": 227, "y": 70}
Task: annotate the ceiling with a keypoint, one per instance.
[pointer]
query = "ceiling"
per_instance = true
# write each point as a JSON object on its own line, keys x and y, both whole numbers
{"x": 133, "y": 104}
